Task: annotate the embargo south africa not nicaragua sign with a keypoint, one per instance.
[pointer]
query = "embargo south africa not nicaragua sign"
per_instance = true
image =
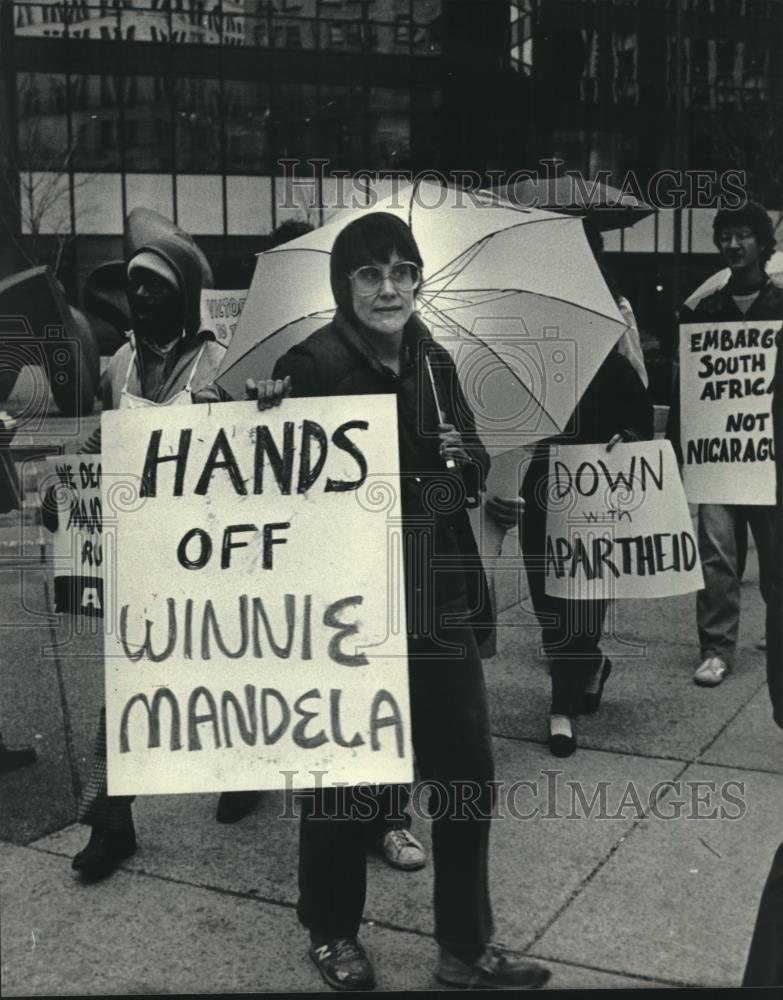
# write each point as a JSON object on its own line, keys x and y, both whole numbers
{"x": 726, "y": 422}
{"x": 256, "y": 625}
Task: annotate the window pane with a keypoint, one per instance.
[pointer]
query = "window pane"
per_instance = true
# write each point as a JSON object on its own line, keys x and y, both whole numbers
{"x": 200, "y": 204}
{"x": 150, "y": 191}
{"x": 249, "y": 204}
{"x": 197, "y": 124}
{"x": 95, "y": 122}
{"x": 148, "y": 129}
{"x": 43, "y": 123}
{"x": 342, "y": 115}
{"x": 389, "y": 128}
{"x": 295, "y": 125}
{"x": 248, "y": 113}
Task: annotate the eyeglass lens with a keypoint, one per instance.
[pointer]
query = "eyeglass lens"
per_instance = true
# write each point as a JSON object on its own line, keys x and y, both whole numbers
{"x": 404, "y": 275}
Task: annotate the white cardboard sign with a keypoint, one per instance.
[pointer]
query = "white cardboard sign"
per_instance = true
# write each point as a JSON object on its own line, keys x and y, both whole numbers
{"x": 73, "y": 484}
{"x": 726, "y": 422}
{"x": 618, "y": 524}
{"x": 256, "y": 629}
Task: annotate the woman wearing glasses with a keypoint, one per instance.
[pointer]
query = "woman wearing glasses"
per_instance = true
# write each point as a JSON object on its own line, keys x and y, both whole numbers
{"x": 377, "y": 344}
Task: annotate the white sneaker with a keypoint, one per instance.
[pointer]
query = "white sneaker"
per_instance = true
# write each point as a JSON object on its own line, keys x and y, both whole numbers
{"x": 402, "y": 850}
{"x": 711, "y": 672}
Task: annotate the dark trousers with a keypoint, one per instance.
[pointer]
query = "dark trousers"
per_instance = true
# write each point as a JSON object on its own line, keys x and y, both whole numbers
{"x": 97, "y": 807}
{"x": 774, "y": 621}
{"x": 451, "y": 741}
{"x": 765, "y": 960}
{"x": 570, "y": 630}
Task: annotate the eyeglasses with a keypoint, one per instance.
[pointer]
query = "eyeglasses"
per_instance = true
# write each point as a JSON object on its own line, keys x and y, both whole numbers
{"x": 740, "y": 234}
{"x": 367, "y": 280}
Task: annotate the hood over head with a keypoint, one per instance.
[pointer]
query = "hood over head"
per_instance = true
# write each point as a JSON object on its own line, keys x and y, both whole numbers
{"x": 183, "y": 259}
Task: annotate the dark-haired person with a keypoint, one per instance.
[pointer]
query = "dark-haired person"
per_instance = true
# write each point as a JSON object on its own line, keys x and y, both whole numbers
{"x": 377, "y": 344}
{"x": 745, "y": 239}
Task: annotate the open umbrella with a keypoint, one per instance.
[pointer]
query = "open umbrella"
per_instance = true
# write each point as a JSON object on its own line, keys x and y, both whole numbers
{"x": 514, "y": 294}
{"x": 609, "y": 207}
{"x": 719, "y": 279}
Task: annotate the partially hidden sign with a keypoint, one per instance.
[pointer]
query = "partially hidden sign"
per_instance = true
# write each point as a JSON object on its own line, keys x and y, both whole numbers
{"x": 618, "y": 524}
{"x": 220, "y": 311}
{"x": 256, "y": 634}
{"x": 72, "y": 491}
{"x": 726, "y": 423}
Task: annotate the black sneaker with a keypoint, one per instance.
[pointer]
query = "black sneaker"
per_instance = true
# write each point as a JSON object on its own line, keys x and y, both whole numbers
{"x": 494, "y": 969}
{"x": 343, "y": 964}
{"x": 104, "y": 853}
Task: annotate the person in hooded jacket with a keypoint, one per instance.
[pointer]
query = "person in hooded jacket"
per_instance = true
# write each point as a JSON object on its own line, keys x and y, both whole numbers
{"x": 169, "y": 360}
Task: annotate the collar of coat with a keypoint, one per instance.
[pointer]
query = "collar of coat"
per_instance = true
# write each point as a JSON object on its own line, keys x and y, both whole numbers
{"x": 414, "y": 333}
{"x": 770, "y": 295}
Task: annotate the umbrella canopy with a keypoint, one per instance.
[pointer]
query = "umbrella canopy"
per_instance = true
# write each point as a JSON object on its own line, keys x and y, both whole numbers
{"x": 609, "y": 207}
{"x": 719, "y": 279}
{"x": 514, "y": 294}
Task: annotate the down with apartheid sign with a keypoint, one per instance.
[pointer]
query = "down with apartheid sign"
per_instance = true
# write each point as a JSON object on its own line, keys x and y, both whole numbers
{"x": 618, "y": 524}
{"x": 72, "y": 494}
{"x": 725, "y": 402}
{"x": 256, "y": 627}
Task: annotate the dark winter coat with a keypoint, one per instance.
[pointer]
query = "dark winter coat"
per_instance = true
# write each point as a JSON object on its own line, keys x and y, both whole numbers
{"x": 615, "y": 402}
{"x": 338, "y": 360}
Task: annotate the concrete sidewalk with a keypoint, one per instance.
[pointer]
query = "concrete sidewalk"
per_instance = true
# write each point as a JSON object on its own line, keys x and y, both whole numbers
{"x": 643, "y": 896}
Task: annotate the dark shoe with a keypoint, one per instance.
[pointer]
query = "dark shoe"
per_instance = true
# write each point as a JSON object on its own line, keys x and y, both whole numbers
{"x": 233, "y": 806}
{"x": 11, "y": 759}
{"x": 592, "y": 699}
{"x": 103, "y": 854}
{"x": 343, "y": 964}
{"x": 494, "y": 969}
{"x": 560, "y": 744}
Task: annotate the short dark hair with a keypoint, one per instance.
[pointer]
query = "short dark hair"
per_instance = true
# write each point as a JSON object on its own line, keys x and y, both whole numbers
{"x": 370, "y": 238}
{"x": 755, "y": 217}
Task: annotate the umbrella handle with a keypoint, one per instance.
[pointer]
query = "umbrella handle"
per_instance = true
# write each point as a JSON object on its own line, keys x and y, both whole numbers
{"x": 450, "y": 463}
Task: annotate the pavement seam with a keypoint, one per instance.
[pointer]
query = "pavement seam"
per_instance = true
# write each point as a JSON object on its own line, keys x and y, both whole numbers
{"x": 367, "y": 922}
{"x": 622, "y": 838}
{"x": 614, "y": 972}
{"x": 643, "y": 756}
{"x": 729, "y": 721}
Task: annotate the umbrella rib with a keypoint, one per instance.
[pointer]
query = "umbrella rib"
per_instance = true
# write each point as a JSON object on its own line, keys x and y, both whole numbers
{"x": 541, "y": 295}
{"x": 274, "y": 333}
{"x": 292, "y": 249}
{"x": 495, "y": 354}
{"x": 530, "y": 222}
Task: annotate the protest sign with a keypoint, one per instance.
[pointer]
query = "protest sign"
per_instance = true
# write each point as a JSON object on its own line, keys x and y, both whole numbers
{"x": 618, "y": 524}
{"x": 220, "y": 311}
{"x": 725, "y": 403}
{"x": 257, "y": 631}
{"x": 72, "y": 490}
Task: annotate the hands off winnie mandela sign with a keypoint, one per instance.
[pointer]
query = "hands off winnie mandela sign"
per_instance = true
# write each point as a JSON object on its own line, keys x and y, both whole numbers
{"x": 250, "y": 633}
{"x": 726, "y": 422}
{"x": 618, "y": 524}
